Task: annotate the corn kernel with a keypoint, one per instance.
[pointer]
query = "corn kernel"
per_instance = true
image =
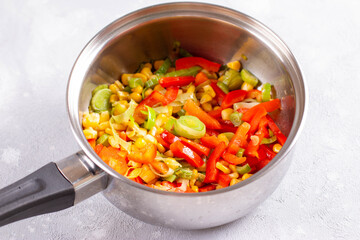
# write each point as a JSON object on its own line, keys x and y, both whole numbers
{"x": 104, "y": 125}
{"x": 113, "y": 98}
{"x": 140, "y": 142}
{"x": 147, "y": 72}
{"x": 222, "y": 137}
{"x": 159, "y": 88}
{"x": 222, "y": 168}
{"x": 209, "y": 90}
{"x": 148, "y": 65}
{"x": 136, "y": 97}
{"x": 235, "y": 65}
{"x": 234, "y": 175}
{"x": 120, "y": 126}
{"x": 137, "y": 89}
{"x": 160, "y": 120}
{"x": 160, "y": 148}
{"x": 244, "y": 57}
{"x": 90, "y": 133}
{"x": 159, "y": 130}
{"x": 195, "y": 188}
{"x": 207, "y": 107}
{"x": 123, "y": 95}
{"x": 219, "y": 187}
{"x": 151, "y": 139}
{"x": 124, "y": 102}
{"x": 234, "y": 181}
{"x": 119, "y": 85}
{"x": 169, "y": 153}
{"x": 142, "y": 76}
{"x": 221, "y": 78}
{"x": 108, "y": 131}
{"x": 152, "y": 131}
{"x": 148, "y": 92}
{"x": 205, "y": 98}
{"x": 158, "y": 63}
{"x": 171, "y": 69}
{"x": 199, "y": 95}
{"x": 100, "y": 133}
{"x": 113, "y": 88}
{"x": 91, "y": 120}
{"x": 246, "y": 176}
{"x": 225, "y": 114}
{"x": 104, "y": 116}
{"x": 246, "y": 86}
{"x": 217, "y": 107}
{"x": 277, "y": 147}
{"x": 191, "y": 89}
{"x": 125, "y": 78}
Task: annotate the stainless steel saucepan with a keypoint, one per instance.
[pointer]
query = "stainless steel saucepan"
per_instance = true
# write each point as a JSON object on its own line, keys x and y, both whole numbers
{"x": 216, "y": 33}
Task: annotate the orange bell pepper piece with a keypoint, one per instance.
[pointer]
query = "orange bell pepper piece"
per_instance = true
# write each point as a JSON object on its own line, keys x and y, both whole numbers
{"x": 192, "y": 109}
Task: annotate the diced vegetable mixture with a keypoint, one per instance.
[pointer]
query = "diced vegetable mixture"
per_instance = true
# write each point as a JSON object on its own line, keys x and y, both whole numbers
{"x": 185, "y": 124}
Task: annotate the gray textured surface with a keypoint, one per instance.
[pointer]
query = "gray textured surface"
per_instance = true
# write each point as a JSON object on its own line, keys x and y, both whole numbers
{"x": 319, "y": 197}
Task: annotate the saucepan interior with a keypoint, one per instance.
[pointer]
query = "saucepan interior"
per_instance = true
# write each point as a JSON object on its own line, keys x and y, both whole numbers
{"x": 218, "y": 34}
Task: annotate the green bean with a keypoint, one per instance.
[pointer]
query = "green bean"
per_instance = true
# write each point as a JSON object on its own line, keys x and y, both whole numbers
{"x": 164, "y": 67}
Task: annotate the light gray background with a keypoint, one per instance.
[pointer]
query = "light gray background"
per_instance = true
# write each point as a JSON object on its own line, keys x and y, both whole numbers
{"x": 318, "y": 198}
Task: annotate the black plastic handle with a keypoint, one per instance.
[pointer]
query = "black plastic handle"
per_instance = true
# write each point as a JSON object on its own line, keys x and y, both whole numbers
{"x": 43, "y": 191}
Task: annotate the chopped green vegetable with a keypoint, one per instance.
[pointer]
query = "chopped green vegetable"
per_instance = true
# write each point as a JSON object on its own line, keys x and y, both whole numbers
{"x": 127, "y": 89}
{"x": 118, "y": 109}
{"x": 103, "y": 86}
{"x": 134, "y": 82}
{"x": 103, "y": 140}
{"x": 223, "y": 87}
{"x": 170, "y": 178}
{"x": 118, "y": 140}
{"x": 150, "y": 123}
{"x": 268, "y": 140}
{"x": 244, "y": 169}
{"x": 164, "y": 67}
{"x": 271, "y": 133}
{"x": 169, "y": 126}
{"x": 182, "y": 112}
{"x": 232, "y": 79}
{"x": 184, "y": 72}
{"x": 229, "y": 135}
{"x": 235, "y": 118}
{"x": 152, "y": 82}
{"x": 100, "y": 100}
{"x": 240, "y": 153}
{"x": 125, "y": 116}
{"x": 184, "y": 173}
{"x": 266, "y": 92}
{"x": 248, "y": 77}
{"x": 184, "y": 53}
{"x": 190, "y": 127}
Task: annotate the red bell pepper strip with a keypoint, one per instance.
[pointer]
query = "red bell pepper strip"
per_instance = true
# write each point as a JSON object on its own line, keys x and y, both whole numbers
{"x": 169, "y": 137}
{"x": 192, "y": 109}
{"x": 210, "y": 141}
{"x": 211, "y": 132}
{"x": 233, "y": 97}
{"x": 268, "y": 152}
{"x": 224, "y": 179}
{"x": 188, "y": 62}
{"x": 98, "y": 148}
{"x": 181, "y": 151}
{"x": 170, "y": 95}
{"x": 232, "y": 159}
{"x": 92, "y": 143}
{"x": 269, "y": 106}
{"x": 261, "y": 112}
{"x": 220, "y": 95}
{"x": 262, "y": 164}
{"x": 239, "y": 139}
{"x": 207, "y": 188}
{"x": 200, "y": 78}
{"x": 211, "y": 170}
{"x": 215, "y": 113}
{"x": 279, "y": 135}
{"x": 144, "y": 155}
{"x": 227, "y": 126}
{"x": 254, "y": 144}
{"x": 198, "y": 148}
{"x": 162, "y": 141}
{"x": 176, "y": 81}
